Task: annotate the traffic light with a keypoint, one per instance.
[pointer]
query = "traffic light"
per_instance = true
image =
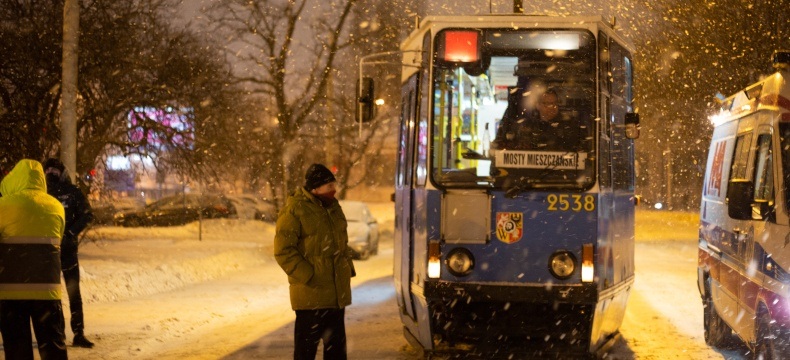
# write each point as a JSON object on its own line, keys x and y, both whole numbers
{"x": 366, "y": 109}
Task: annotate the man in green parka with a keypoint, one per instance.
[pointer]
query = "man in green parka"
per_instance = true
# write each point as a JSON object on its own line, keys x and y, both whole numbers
{"x": 31, "y": 226}
{"x": 311, "y": 246}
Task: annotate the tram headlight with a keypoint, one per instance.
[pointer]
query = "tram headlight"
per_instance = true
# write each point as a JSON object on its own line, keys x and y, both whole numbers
{"x": 460, "y": 262}
{"x": 434, "y": 262}
{"x": 562, "y": 264}
{"x": 588, "y": 269}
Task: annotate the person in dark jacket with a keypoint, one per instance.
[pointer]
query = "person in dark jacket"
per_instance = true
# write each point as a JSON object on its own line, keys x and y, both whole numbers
{"x": 311, "y": 246}
{"x": 31, "y": 226}
{"x": 78, "y": 216}
{"x": 542, "y": 129}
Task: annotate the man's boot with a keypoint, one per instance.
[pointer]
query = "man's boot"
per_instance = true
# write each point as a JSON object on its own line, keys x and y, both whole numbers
{"x": 81, "y": 341}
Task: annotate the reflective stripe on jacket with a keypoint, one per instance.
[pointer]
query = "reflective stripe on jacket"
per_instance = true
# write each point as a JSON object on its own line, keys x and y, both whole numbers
{"x": 311, "y": 246}
{"x": 31, "y": 226}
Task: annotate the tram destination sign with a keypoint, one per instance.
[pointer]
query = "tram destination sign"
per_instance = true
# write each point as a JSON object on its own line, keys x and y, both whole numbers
{"x": 551, "y": 160}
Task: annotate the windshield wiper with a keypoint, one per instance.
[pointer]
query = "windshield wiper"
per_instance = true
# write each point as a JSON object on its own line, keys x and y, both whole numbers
{"x": 548, "y": 169}
{"x": 522, "y": 184}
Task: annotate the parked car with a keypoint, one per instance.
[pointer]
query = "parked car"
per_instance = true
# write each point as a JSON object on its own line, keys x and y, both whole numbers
{"x": 104, "y": 211}
{"x": 363, "y": 229}
{"x": 251, "y": 207}
{"x": 178, "y": 210}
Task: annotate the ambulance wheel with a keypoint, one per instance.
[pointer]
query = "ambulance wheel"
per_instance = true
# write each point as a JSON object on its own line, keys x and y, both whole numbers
{"x": 769, "y": 344}
{"x": 716, "y": 330}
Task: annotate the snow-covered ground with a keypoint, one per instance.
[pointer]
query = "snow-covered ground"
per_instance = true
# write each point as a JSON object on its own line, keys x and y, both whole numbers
{"x": 215, "y": 292}
{"x": 119, "y": 263}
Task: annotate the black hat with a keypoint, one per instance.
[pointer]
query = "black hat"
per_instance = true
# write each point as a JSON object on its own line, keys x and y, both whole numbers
{"x": 54, "y": 163}
{"x": 316, "y": 176}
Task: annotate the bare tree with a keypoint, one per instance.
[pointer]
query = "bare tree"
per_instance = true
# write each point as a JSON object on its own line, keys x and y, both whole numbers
{"x": 367, "y": 151}
{"x": 286, "y": 53}
{"x": 129, "y": 58}
{"x": 687, "y": 52}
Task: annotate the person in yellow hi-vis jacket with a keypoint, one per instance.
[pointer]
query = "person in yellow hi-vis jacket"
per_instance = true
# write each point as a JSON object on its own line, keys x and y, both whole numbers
{"x": 31, "y": 226}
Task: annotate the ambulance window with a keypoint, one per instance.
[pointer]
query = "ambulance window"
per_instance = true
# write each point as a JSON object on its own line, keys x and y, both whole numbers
{"x": 763, "y": 174}
{"x": 741, "y": 157}
{"x": 784, "y": 139}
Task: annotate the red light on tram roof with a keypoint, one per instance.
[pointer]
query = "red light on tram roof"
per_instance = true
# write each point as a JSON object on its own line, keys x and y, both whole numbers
{"x": 461, "y": 46}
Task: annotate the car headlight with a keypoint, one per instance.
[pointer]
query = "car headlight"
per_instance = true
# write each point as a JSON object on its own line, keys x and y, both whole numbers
{"x": 562, "y": 264}
{"x": 460, "y": 262}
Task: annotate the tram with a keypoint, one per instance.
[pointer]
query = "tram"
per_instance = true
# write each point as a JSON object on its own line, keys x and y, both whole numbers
{"x": 503, "y": 250}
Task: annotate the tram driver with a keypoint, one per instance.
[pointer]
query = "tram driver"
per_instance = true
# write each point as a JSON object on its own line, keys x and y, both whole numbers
{"x": 540, "y": 129}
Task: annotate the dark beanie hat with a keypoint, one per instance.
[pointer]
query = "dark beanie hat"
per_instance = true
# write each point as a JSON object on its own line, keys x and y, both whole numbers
{"x": 316, "y": 176}
{"x": 54, "y": 163}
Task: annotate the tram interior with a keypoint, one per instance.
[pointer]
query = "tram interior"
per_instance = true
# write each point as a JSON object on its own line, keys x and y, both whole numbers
{"x": 470, "y": 103}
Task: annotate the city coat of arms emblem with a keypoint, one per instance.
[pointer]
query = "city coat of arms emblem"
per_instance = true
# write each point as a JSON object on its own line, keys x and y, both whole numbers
{"x": 509, "y": 226}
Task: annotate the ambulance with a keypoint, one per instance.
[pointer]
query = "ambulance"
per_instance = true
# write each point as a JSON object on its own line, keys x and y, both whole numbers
{"x": 744, "y": 242}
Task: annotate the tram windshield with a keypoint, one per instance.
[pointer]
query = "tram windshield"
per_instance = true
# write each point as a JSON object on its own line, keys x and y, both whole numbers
{"x": 520, "y": 113}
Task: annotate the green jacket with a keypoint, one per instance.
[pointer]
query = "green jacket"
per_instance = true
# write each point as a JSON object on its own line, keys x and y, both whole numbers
{"x": 311, "y": 246}
{"x": 31, "y": 226}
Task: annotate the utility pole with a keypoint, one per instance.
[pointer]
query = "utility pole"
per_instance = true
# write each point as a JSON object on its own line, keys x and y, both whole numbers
{"x": 667, "y": 155}
{"x": 68, "y": 99}
{"x": 331, "y": 145}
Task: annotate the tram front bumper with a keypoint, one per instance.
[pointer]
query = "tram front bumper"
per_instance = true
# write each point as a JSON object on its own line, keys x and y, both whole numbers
{"x": 574, "y": 294}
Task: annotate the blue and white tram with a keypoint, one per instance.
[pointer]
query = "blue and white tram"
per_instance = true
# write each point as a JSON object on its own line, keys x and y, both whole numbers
{"x": 504, "y": 251}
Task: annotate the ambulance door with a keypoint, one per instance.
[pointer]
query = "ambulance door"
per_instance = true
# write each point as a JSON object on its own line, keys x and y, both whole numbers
{"x": 735, "y": 233}
{"x": 763, "y": 217}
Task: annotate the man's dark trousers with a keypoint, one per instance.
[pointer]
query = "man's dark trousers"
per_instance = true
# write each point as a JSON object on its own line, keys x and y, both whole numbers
{"x": 48, "y": 325}
{"x": 70, "y": 264}
{"x": 313, "y": 326}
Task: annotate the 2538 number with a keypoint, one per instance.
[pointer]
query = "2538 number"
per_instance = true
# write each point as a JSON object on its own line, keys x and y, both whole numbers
{"x": 572, "y": 202}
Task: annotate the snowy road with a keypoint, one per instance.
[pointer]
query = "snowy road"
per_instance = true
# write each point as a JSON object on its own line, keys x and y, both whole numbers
{"x": 664, "y": 314}
{"x": 245, "y": 314}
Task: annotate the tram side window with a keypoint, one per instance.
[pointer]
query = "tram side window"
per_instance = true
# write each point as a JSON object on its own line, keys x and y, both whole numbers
{"x": 424, "y": 111}
{"x": 404, "y": 170}
{"x": 622, "y": 150}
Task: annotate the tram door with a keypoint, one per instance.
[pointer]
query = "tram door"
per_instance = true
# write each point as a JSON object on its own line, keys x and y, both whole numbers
{"x": 404, "y": 185}
{"x": 606, "y": 196}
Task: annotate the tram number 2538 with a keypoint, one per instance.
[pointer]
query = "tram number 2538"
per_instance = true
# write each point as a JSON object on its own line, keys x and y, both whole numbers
{"x": 572, "y": 202}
